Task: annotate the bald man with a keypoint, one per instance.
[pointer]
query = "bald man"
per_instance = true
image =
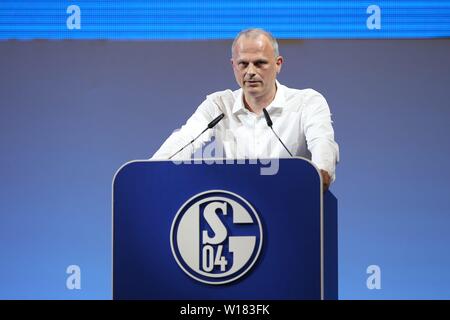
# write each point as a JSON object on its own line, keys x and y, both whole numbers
{"x": 301, "y": 118}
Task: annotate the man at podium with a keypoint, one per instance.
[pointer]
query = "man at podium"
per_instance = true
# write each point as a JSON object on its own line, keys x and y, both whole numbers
{"x": 262, "y": 119}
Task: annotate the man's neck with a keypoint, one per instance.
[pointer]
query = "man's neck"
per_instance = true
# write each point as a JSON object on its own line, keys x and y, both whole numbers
{"x": 257, "y": 104}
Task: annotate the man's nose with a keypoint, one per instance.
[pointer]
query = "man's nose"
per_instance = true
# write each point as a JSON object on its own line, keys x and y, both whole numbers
{"x": 251, "y": 69}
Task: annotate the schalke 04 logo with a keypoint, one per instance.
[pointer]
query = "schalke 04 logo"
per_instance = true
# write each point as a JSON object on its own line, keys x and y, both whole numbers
{"x": 216, "y": 237}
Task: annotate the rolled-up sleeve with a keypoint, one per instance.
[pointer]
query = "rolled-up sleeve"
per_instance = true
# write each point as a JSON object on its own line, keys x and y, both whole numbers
{"x": 191, "y": 129}
{"x": 319, "y": 133}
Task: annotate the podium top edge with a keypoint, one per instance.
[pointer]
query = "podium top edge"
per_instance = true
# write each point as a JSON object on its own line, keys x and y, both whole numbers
{"x": 213, "y": 159}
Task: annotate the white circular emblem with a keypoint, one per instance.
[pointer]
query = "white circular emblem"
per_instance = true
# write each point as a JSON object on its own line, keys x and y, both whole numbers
{"x": 216, "y": 237}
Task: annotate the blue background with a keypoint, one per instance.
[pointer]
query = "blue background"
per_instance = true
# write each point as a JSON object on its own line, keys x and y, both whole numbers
{"x": 206, "y": 19}
{"x": 72, "y": 112}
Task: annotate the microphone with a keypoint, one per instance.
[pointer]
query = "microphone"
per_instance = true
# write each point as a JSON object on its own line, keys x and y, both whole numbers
{"x": 269, "y": 123}
{"x": 211, "y": 125}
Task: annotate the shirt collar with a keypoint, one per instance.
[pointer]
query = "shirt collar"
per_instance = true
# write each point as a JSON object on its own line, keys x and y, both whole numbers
{"x": 277, "y": 103}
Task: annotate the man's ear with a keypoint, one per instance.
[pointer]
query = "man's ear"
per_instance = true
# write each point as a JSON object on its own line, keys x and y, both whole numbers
{"x": 279, "y": 62}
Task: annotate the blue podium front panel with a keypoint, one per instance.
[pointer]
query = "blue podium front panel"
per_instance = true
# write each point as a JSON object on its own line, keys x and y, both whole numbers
{"x": 217, "y": 231}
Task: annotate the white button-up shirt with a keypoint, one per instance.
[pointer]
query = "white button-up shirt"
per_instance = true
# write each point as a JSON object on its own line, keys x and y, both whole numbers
{"x": 301, "y": 118}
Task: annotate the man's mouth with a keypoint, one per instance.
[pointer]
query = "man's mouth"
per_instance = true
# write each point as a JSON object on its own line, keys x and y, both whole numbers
{"x": 252, "y": 81}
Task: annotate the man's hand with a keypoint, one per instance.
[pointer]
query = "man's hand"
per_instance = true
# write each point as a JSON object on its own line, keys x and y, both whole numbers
{"x": 326, "y": 179}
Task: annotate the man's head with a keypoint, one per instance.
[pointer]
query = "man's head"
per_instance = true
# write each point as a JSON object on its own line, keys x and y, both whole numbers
{"x": 256, "y": 62}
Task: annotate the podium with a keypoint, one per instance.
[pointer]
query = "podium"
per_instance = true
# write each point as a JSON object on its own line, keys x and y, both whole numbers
{"x": 223, "y": 231}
